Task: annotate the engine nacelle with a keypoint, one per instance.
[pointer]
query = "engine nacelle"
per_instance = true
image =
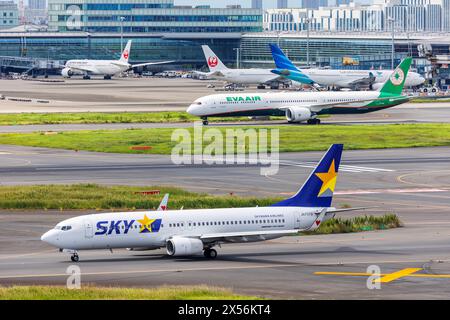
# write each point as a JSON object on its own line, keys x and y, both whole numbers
{"x": 179, "y": 246}
{"x": 298, "y": 114}
{"x": 66, "y": 73}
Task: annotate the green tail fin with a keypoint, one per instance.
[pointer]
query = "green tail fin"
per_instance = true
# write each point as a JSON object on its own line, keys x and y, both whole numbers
{"x": 395, "y": 83}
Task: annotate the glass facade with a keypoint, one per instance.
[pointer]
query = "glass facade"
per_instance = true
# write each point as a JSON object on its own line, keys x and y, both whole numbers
{"x": 186, "y": 53}
{"x": 9, "y": 14}
{"x": 327, "y": 51}
{"x": 185, "y": 49}
{"x": 149, "y": 16}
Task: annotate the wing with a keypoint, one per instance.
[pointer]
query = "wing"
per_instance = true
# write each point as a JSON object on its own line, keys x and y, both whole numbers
{"x": 367, "y": 81}
{"x": 150, "y": 64}
{"x": 84, "y": 69}
{"x": 245, "y": 236}
{"x": 321, "y": 106}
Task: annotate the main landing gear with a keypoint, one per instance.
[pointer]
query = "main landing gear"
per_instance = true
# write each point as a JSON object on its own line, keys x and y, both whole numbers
{"x": 210, "y": 253}
{"x": 314, "y": 121}
{"x": 205, "y": 121}
{"x": 107, "y": 77}
{"x": 86, "y": 77}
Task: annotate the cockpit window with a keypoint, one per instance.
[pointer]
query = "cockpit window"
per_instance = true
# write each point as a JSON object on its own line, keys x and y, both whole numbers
{"x": 198, "y": 103}
{"x": 63, "y": 228}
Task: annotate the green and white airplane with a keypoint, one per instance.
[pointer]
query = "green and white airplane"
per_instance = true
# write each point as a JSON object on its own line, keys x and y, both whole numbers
{"x": 305, "y": 106}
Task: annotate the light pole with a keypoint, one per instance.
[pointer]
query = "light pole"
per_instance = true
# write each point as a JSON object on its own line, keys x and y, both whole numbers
{"x": 307, "y": 40}
{"x": 122, "y": 19}
{"x": 392, "y": 20}
{"x": 238, "y": 56}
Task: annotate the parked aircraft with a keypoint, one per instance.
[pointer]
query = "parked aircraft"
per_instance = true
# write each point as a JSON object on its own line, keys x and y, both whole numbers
{"x": 106, "y": 68}
{"x": 259, "y": 77}
{"x": 334, "y": 78}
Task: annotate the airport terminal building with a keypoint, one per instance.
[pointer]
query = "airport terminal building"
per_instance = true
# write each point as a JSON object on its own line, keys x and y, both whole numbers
{"x": 161, "y": 31}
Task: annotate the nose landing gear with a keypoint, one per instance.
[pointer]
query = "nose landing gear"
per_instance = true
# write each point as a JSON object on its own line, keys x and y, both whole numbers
{"x": 75, "y": 257}
{"x": 205, "y": 121}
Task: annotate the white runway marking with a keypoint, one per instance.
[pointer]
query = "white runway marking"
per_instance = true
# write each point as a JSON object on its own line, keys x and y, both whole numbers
{"x": 344, "y": 168}
{"x": 380, "y": 191}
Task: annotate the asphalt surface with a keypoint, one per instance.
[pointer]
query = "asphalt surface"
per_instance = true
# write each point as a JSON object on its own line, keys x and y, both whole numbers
{"x": 413, "y": 183}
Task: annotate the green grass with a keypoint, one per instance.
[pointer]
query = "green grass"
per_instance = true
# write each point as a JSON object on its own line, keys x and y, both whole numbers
{"x": 430, "y": 100}
{"x": 97, "y": 197}
{"x": 96, "y": 293}
{"x": 99, "y": 117}
{"x": 358, "y": 224}
{"x": 292, "y": 138}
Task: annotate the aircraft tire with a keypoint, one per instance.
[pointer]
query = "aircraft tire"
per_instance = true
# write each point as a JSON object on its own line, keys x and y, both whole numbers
{"x": 313, "y": 121}
{"x": 210, "y": 253}
{"x": 75, "y": 258}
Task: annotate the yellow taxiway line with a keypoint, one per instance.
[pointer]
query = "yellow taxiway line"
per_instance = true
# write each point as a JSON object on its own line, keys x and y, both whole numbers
{"x": 388, "y": 277}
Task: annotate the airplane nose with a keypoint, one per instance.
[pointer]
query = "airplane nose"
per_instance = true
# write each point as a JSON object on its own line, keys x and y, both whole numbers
{"x": 50, "y": 237}
{"x": 192, "y": 109}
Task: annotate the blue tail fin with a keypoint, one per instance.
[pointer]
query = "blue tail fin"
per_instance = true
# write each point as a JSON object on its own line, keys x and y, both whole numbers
{"x": 281, "y": 61}
{"x": 318, "y": 189}
{"x": 286, "y": 68}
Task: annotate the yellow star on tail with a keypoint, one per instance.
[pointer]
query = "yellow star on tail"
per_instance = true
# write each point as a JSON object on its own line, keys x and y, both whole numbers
{"x": 328, "y": 179}
{"x": 146, "y": 224}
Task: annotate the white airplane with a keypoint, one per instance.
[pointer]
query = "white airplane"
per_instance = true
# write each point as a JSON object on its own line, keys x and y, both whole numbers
{"x": 353, "y": 79}
{"x": 106, "y": 68}
{"x": 259, "y": 77}
{"x": 192, "y": 232}
{"x": 304, "y": 106}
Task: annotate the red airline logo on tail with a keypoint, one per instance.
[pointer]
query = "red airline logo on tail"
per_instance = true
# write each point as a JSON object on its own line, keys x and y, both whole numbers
{"x": 125, "y": 54}
{"x": 213, "y": 62}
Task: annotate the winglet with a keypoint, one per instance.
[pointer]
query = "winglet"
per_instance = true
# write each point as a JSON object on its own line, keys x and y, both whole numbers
{"x": 163, "y": 204}
{"x": 318, "y": 189}
{"x": 316, "y": 224}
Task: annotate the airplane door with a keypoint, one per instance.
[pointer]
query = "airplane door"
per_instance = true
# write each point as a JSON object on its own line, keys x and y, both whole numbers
{"x": 89, "y": 230}
{"x": 297, "y": 221}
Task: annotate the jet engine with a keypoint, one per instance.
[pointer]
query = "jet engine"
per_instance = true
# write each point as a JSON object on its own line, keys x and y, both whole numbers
{"x": 66, "y": 73}
{"x": 180, "y": 246}
{"x": 298, "y": 114}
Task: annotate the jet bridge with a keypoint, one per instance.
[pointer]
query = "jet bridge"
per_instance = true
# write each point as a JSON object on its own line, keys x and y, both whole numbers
{"x": 33, "y": 66}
